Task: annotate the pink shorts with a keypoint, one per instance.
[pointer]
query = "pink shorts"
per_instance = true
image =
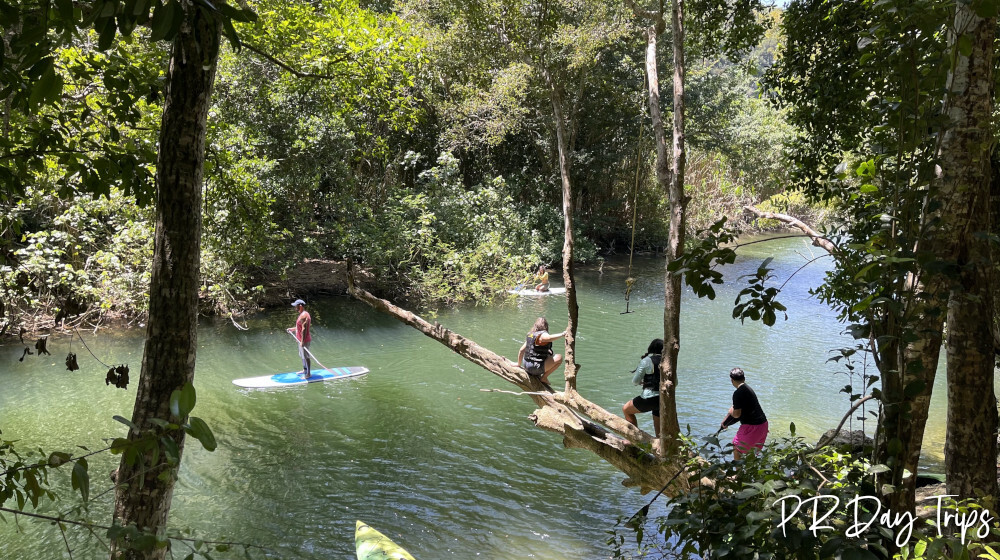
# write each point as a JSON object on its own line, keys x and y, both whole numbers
{"x": 750, "y": 436}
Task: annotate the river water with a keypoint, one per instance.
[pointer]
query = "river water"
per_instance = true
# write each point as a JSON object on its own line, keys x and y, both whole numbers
{"x": 416, "y": 448}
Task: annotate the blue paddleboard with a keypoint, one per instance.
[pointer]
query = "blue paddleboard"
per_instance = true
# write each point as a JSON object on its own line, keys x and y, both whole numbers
{"x": 294, "y": 379}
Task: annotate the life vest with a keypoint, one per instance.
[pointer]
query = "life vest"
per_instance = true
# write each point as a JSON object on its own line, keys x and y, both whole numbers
{"x": 652, "y": 380}
{"x": 535, "y": 355}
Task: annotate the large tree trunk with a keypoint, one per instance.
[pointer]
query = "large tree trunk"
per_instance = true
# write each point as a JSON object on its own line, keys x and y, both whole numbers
{"x": 666, "y": 178}
{"x": 971, "y": 448}
{"x": 570, "y": 366}
{"x": 143, "y": 496}
{"x": 906, "y": 394}
{"x": 669, "y": 426}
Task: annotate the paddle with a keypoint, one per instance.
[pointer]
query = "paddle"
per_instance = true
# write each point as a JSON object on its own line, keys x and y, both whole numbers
{"x": 645, "y": 509}
{"x": 523, "y": 283}
{"x": 310, "y": 353}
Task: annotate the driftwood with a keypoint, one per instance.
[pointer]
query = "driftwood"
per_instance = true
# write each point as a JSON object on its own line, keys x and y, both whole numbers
{"x": 583, "y": 424}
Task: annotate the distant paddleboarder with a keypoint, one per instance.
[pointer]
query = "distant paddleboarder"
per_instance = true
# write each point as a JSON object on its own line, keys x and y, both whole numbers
{"x": 301, "y": 331}
{"x": 542, "y": 277}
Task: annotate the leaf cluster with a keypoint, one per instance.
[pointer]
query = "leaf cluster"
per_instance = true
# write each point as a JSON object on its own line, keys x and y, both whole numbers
{"x": 761, "y": 303}
{"x": 46, "y": 81}
{"x": 25, "y": 479}
{"x": 699, "y": 262}
{"x": 744, "y": 509}
{"x": 144, "y": 447}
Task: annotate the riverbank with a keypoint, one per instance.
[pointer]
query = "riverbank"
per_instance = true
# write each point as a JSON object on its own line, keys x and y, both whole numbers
{"x": 307, "y": 279}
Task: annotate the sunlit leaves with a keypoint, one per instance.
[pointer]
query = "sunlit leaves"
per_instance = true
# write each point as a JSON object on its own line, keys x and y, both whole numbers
{"x": 182, "y": 401}
{"x": 721, "y": 26}
{"x": 353, "y": 56}
{"x": 52, "y": 56}
{"x": 199, "y": 430}
{"x": 699, "y": 264}
{"x": 758, "y": 301}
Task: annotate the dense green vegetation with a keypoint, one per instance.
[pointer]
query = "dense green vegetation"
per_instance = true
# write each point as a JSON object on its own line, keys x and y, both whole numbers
{"x": 339, "y": 131}
{"x": 428, "y": 141}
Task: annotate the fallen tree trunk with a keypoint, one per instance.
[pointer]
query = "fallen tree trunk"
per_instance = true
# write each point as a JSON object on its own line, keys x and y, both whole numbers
{"x": 583, "y": 424}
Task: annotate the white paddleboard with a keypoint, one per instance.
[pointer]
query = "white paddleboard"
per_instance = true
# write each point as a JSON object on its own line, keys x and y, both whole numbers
{"x": 293, "y": 379}
{"x": 530, "y": 292}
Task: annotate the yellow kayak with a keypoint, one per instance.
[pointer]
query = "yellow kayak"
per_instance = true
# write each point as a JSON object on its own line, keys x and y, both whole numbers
{"x": 372, "y": 545}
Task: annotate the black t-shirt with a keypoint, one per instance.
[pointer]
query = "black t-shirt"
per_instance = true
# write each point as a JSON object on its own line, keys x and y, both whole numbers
{"x": 745, "y": 400}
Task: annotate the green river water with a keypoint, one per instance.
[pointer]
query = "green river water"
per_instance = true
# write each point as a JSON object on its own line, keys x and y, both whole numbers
{"x": 415, "y": 448}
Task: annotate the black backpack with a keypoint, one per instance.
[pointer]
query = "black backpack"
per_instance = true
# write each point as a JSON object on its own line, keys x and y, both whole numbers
{"x": 534, "y": 356}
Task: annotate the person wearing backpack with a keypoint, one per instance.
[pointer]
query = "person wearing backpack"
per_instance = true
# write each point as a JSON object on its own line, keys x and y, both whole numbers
{"x": 535, "y": 355}
{"x": 647, "y": 374}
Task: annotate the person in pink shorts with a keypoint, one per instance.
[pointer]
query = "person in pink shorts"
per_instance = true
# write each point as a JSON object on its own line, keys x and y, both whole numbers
{"x": 747, "y": 411}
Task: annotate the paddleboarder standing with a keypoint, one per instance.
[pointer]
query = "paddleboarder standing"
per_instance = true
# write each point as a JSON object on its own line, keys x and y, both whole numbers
{"x": 301, "y": 331}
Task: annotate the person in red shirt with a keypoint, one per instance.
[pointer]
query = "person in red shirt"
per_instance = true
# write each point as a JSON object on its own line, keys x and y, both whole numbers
{"x": 301, "y": 331}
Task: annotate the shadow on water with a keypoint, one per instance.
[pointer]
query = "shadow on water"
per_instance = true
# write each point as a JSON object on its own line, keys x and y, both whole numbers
{"x": 415, "y": 448}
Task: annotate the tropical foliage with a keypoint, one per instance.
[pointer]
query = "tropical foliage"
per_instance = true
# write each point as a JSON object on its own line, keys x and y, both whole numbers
{"x": 344, "y": 132}
{"x": 796, "y": 501}
{"x": 432, "y": 142}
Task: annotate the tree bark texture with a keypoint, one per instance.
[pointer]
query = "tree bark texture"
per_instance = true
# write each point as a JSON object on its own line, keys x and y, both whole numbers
{"x": 971, "y": 447}
{"x": 570, "y": 366}
{"x": 142, "y": 497}
{"x": 669, "y": 426}
{"x": 583, "y": 424}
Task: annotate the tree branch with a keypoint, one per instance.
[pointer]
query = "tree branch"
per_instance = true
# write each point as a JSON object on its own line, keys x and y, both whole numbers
{"x": 655, "y": 17}
{"x": 46, "y": 464}
{"x": 518, "y": 393}
{"x": 288, "y": 68}
{"x": 817, "y": 238}
{"x": 89, "y": 525}
{"x": 825, "y": 441}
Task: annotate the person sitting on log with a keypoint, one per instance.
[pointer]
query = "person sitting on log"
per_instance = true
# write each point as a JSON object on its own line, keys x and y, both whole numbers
{"x": 535, "y": 355}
